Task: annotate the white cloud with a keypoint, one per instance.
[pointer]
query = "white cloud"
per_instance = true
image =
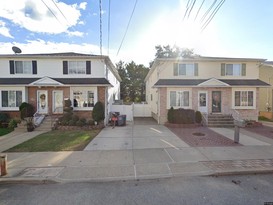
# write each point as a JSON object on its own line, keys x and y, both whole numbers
{"x": 83, "y": 5}
{"x": 41, "y": 46}
{"x": 75, "y": 33}
{"x": 81, "y": 23}
{"x": 34, "y": 15}
{"x": 4, "y": 31}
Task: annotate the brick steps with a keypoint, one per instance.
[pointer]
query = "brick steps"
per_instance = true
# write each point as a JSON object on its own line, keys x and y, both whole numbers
{"x": 219, "y": 120}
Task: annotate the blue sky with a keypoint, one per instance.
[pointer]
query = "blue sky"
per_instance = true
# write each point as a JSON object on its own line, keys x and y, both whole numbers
{"x": 239, "y": 29}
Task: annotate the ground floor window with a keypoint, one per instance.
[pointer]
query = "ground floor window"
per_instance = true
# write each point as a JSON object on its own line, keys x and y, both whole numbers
{"x": 179, "y": 98}
{"x": 11, "y": 98}
{"x": 244, "y": 98}
{"x": 83, "y": 98}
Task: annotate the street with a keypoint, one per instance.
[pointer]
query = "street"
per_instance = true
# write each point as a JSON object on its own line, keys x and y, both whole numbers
{"x": 241, "y": 189}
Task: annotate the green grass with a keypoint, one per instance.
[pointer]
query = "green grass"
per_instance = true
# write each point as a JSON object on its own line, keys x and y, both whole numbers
{"x": 264, "y": 119}
{"x": 57, "y": 140}
{"x": 4, "y": 131}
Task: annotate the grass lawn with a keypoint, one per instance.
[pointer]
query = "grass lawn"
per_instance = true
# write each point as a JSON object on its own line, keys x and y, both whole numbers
{"x": 57, "y": 140}
{"x": 4, "y": 131}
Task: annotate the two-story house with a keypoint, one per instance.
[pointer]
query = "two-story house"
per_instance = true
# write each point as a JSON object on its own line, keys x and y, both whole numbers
{"x": 46, "y": 80}
{"x": 211, "y": 85}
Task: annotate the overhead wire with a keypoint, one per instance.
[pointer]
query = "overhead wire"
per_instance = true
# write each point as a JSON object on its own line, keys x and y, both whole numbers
{"x": 109, "y": 24}
{"x": 207, "y": 12}
{"x": 212, "y": 15}
{"x": 61, "y": 12}
{"x": 51, "y": 12}
{"x": 187, "y": 8}
{"x": 127, "y": 26}
{"x": 191, "y": 8}
{"x": 199, "y": 9}
{"x": 100, "y": 11}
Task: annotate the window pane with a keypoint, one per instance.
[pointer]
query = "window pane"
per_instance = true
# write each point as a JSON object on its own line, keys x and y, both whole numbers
{"x": 12, "y": 99}
{"x": 244, "y": 98}
{"x": 172, "y": 98}
{"x": 237, "y": 69}
{"x": 229, "y": 69}
{"x": 18, "y": 66}
{"x": 27, "y": 67}
{"x": 78, "y": 99}
{"x": 182, "y": 69}
{"x": 250, "y": 98}
{"x": 186, "y": 98}
{"x": 4, "y": 98}
{"x": 237, "y": 98}
{"x": 18, "y": 98}
{"x": 190, "y": 69}
{"x": 90, "y": 99}
{"x": 76, "y": 67}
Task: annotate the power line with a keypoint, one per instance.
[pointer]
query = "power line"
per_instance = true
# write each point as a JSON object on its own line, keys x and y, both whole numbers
{"x": 187, "y": 8}
{"x": 51, "y": 12}
{"x": 207, "y": 12}
{"x": 199, "y": 9}
{"x": 213, "y": 14}
{"x": 127, "y": 26}
{"x": 100, "y": 9}
{"x": 61, "y": 12}
{"x": 191, "y": 8}
{"x": 109, "y": 18}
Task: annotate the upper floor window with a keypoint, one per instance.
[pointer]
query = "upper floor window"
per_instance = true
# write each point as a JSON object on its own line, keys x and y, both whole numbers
{"x": 23, "y": 67}
{"x": 185, "y": 69}
{"x": 76, "y": 67}
{"x": 233, "y": 69}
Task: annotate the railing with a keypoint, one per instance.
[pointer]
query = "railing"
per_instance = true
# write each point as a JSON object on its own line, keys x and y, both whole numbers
{"x": 235, "y": 114}
{"x": 204, "y": 119}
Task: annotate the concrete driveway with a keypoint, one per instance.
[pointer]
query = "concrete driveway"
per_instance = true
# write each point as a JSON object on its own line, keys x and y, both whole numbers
{"x": 140, "y": 134}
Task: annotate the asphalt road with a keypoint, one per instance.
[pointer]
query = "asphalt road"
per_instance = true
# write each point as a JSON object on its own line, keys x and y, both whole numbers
{"x": 250, "y": 189}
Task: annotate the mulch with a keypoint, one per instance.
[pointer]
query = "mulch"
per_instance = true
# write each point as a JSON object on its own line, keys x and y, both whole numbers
{"x": 265, "y": 131}
{"x": 202, "y": 137}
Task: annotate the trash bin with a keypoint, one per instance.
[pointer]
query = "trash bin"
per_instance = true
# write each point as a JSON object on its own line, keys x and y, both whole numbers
{"x": 121, "y": 120}
{"x": 3, "y": 165}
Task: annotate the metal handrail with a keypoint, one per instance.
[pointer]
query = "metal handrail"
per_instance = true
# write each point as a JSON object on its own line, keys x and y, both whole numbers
{"x": 205, "y": 119}
{"x": 51, "y": 116}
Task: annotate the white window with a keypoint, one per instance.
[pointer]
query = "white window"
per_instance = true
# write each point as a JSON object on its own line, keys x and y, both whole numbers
{"x": 23, "y": 67}
{"x": 244, "y": 99}
{"x": 186, "y": 69}
{"x": 77, "y": 67}
{"x": 83, "y": 99}
{"x": 179, "y": 98}
{"x": 11, "y": 98}
{"x": 233, "y": 69}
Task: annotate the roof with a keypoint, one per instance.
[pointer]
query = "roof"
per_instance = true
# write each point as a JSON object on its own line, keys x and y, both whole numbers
{"x": 198, "y": 58}
{"x": 197, "y": 82}
{"x": 65, "y": 81}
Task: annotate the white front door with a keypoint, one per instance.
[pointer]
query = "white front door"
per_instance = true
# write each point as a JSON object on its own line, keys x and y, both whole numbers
{"x": 42, "y": 102}
{"x": 203, "y": 101}
{"x": 57, "y": 103}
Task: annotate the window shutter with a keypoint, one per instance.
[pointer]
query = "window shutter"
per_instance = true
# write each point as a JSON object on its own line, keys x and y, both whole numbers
{"x": 11, "y": 67}
{"x": 243, "y": 69}
{"x": 175, "y": 69}
{"x": 34, "y": 67}
{"x": 196, "y": 69}
{"x": 88, "y": 67}
{"x": 223, "y": 70}
{"x": 65, "y": 67}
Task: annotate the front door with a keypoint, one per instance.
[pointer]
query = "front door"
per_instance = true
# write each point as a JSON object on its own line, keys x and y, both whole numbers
{"x": 42, "y": 101}
{"x": 57, "y": 103}
{"x": 202, "y": 101}
{"x": 216, "y": 101}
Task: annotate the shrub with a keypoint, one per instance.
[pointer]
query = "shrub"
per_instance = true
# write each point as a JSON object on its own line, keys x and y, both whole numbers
{"x": 183, "y": 116}
{"x": 4, "y": 117}
{"x": 198, "y": 117}
{"x": 26, "y": 110}
{"x": 98, "y": 112}
{"x": 171, "y": 115}
{"x": 80, "y": 123}
{"x": 12, "y": 124}
{"x": 67, "y": 103}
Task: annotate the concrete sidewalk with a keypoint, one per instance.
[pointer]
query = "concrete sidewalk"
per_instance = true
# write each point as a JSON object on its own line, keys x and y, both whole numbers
{"x": 138, "y": 152}
{"x": 137, "y": 164}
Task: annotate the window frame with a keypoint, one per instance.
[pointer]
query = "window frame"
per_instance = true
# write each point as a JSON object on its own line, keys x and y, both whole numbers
{"x": 24, "y": 63}
{"x": 15, "y": 108}
{"x": 185, "y": 69}
{"x": 84, "y": 90}
{"x": 244, "y": 98}
{"x": 82, "y": 72}
{"x": 179, "y": 93}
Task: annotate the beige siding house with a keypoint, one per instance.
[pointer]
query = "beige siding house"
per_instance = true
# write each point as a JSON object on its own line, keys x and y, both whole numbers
{"x": 211, "y": 85}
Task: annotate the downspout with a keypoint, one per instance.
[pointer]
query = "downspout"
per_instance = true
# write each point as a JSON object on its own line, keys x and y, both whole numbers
{"x": 158, "y": 105}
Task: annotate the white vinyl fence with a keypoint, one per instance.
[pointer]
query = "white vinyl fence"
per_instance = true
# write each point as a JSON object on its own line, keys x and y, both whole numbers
{"x": 133, "y": 110}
